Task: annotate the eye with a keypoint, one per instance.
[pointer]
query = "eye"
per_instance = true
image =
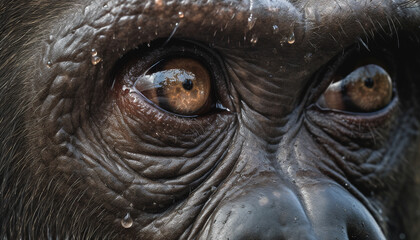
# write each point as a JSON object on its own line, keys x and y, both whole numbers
{"x": 179, "y": 85}
{"x": 360, "y": 80}
{"x": 366, "y": 89}
{"x": 181, "y": 77}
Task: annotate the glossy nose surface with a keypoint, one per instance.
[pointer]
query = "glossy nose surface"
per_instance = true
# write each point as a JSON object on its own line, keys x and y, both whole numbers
{"x": 261, "y": 213}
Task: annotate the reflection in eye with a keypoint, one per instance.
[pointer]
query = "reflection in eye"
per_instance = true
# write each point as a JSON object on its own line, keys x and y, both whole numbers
{"x": 179, "y": 85}
{"x": 366, "y": 89}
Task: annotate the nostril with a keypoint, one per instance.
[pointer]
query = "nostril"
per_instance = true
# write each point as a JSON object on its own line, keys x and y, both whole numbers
{"x": 360, "y": 227}
{"x": 362, "y": 234}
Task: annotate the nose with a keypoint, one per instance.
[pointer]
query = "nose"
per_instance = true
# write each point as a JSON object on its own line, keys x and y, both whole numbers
{"x": 261, "y": 212}
{"x": 268, "y": 210}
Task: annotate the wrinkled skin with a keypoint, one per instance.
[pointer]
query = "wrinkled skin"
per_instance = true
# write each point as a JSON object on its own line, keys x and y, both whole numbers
{"x": 77, "y": 153}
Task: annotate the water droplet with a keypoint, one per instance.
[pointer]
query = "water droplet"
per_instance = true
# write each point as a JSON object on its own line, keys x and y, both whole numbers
{"x": 251, "y": 22}
{"x": 181, "y": 15}
{"x": 139, "y": 28}
{"x": 93, "y": 52}
{"x": 159, "y": 2}
{"x": 263, "y": 201}
{"x": 291, "y": 39}
{"x": 95, "y": 60}
{"x": 148, "y": 44}
{"x": 49, "y": 64}
{"x": 275, "y": 29}
{"x": 105, "y": 5}
{"x": 282, "y": 41}
{"x": 254, "y": 39}
{"x": 127, "y": 221}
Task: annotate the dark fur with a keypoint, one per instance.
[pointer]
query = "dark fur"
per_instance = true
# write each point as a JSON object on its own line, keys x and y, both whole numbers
{"x": 28, "y": 209}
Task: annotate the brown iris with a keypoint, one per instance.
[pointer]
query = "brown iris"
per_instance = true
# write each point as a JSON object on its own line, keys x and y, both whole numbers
{"x": 179, "y": 85}
{"x": 366, "y": 89}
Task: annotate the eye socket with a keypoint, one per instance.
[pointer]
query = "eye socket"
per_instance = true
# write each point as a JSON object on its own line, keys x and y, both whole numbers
{"x": 367, "y": 89}
{"x": 180, "y": 85}
{"x": 181, "y": 77}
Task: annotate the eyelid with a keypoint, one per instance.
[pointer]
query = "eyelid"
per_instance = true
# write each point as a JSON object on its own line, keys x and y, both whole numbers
{"x": 374, "y": 119}
{"x": 323, "y": 77}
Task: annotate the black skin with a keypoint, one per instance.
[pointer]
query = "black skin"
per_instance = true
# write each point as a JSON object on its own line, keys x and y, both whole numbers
{"x": 77, "y": 153}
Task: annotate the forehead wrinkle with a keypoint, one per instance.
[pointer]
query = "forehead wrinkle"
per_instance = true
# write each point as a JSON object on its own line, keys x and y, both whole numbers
{"x": 270, "y": 12}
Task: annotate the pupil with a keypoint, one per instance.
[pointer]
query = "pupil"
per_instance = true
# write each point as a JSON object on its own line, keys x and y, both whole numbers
{"x": 187, "y": 84}
{"x": 369, "y": 82}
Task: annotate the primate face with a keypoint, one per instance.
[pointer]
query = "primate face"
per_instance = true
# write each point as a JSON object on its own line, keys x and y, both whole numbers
{"x": 210, "y": 119}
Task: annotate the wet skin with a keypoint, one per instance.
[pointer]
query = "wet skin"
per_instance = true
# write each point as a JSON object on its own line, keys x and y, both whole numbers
{"x": 84, "y": 155}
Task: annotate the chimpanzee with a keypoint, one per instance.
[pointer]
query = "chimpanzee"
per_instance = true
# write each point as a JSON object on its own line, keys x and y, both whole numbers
{"x": 254, "y": 119}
